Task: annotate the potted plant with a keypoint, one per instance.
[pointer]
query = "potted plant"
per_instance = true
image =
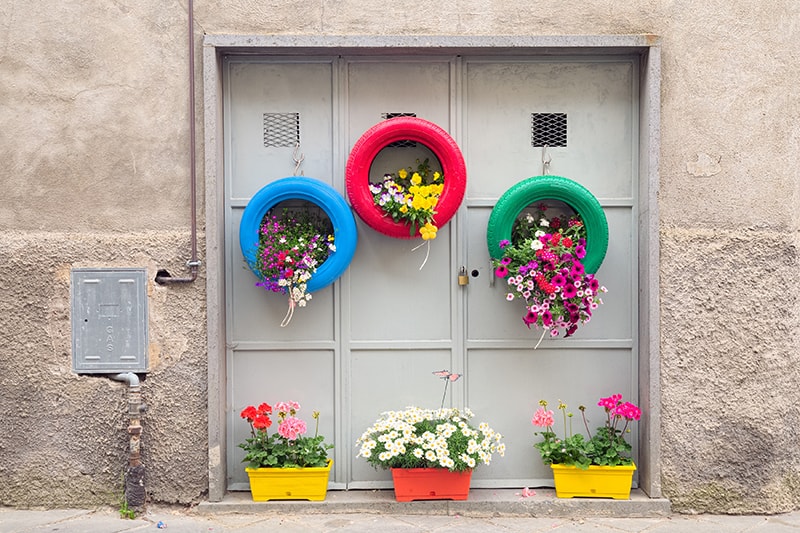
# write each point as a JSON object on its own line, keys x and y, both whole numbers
{"x": 290, "y": 248}
{"x": 600, "y": 466}
{"x": 430, "y": 452}
{"x": 542, "y": 266}
{"x": 285, "y": 464}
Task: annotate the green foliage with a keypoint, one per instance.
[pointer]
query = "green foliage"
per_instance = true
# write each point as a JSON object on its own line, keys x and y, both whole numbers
{"x": 609, "y": 448}
{"x": 275, "y": 451}
{"x": 125, "y": 512}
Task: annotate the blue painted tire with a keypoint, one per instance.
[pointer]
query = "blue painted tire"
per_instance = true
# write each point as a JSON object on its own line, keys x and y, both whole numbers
{"x": 538, "y": 188}
{"x": 318, "y": 193}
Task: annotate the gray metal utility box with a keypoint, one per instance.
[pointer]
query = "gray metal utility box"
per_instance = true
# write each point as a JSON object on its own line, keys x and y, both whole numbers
{"x": 109, "y": 320}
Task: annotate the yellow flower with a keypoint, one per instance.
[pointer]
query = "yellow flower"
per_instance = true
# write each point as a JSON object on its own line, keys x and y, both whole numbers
{"x": 404, "y": 209}
{"x": 428, "y": 231}
{"x": 402, "y": 173}
{"x": 416, "y": 179}
{"x": 436, "y": 176}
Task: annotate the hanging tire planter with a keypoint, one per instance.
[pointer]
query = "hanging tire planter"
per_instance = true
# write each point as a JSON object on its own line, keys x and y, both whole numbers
{"x": 539, "y": 188}
{"x": 379, "y": 137}
{"x": 318, "y": 193}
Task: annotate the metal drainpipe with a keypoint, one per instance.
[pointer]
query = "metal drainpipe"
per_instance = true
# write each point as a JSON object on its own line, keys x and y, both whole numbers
{"x": 134, "y": 474}
{"x": 163, "y": 277}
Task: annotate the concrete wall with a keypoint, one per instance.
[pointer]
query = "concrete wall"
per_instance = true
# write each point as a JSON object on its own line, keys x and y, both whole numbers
{"x": 94, "y": 144}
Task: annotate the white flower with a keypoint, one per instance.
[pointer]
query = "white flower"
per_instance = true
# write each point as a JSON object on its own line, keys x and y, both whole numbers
{"x": 536, "y": 244}
{"x": 543, "y": 222}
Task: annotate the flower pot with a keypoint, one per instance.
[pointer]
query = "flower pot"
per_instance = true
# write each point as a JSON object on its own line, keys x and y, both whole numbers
{"x": 289, "y": 483}
{"x": 430, "y": 484}
{"x": 595, "y": 482}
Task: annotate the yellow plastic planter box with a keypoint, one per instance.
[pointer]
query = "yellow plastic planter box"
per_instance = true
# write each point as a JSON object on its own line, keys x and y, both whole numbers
{"x": 289, "y": 483}
{"x": 595, "y": 482}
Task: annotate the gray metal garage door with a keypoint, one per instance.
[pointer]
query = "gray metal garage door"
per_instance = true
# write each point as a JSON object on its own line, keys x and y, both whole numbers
{"x": 370, "y": 342}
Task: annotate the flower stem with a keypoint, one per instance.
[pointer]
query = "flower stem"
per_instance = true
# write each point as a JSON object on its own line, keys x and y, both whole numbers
{"x": 586, "y": 424}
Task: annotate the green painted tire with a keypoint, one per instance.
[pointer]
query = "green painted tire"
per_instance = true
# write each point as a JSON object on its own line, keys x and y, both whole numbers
{"x": 539, "y": 188}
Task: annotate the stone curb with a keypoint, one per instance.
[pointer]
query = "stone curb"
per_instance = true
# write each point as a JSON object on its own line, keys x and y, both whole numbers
{"x": 481, "y": 503}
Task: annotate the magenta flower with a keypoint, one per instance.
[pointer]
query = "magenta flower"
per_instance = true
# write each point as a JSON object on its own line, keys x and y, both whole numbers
{"x": 611, "y": 402}
{"x": 580, "y": 252}
{"x": 569, "y": 291}
{"x": 501, "y": 271}
{"x": 628, "y": 411}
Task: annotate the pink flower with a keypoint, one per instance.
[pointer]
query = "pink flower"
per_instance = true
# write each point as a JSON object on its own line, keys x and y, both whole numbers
{"x": 628, "y": 411}
{"x": 291, "y": 428}
{"x": 611, "y": 402}
{"x": 542, "y": 418}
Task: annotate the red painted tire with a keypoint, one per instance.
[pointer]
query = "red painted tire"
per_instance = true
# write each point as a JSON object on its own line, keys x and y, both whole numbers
{"x": 376, "y": 139}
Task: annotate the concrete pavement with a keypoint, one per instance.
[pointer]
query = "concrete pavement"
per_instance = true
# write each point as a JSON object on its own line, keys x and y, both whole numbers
{"x": 486, "y": 511}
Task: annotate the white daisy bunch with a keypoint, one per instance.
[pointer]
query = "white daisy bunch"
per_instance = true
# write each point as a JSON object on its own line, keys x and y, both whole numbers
{"x": 429, "y": 438}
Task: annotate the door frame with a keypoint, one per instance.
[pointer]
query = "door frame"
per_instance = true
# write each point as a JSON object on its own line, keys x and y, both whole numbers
{"x": 646, "y": 47}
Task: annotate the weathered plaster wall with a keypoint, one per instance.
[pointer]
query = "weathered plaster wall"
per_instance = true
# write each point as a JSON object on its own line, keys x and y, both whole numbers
{"x": 94, "y": 146}
{"x": 64, "y": 430}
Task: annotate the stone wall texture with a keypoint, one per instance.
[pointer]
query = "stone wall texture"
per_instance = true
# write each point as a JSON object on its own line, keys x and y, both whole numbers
{"x": 94, "y": 143}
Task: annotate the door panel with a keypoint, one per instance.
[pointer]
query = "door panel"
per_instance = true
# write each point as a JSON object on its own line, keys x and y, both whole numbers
{"x": 304, "y": 376}
{"x": 392, "y": 299}
{"x": 506, "y": 376}
{"x": 397, "y": 378}
{"x": 274, "y": 89}
{"x": 507, "y": 385}
{"x": 596, "y": 97}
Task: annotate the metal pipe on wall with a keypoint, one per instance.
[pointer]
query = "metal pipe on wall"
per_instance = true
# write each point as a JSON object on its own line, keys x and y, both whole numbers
{"x": 163, "y": 276}
{"x": 134, "y": 474}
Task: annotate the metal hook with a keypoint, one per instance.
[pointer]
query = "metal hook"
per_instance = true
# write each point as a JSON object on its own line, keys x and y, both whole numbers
{"x": 296, "y": 160}
{"x": 546, "y": 159}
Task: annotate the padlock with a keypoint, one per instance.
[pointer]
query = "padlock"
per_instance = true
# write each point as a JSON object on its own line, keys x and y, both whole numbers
{"x": 463, "y": 279}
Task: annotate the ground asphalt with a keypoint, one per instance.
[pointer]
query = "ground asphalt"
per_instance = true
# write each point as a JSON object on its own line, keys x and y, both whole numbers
{"x": 365, "y": 511}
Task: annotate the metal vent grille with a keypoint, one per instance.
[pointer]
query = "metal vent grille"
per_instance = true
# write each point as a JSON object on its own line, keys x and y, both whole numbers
{"x": 548, "y": 129}
{"x": 399, "y": 144}
{"x": 281, "y": 130}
